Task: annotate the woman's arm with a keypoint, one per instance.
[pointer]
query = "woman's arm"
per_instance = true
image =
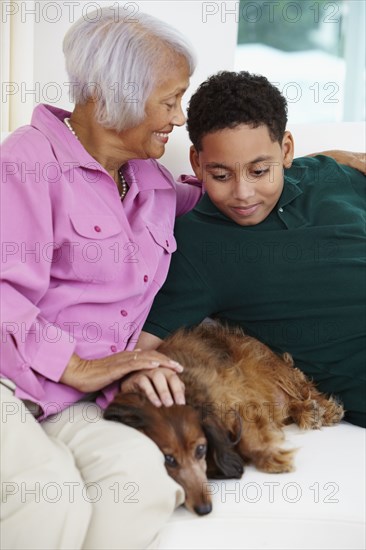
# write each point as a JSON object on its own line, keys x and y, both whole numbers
{"x": 349, "y": 158}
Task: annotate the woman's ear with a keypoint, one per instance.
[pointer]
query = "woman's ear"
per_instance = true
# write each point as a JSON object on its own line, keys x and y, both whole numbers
{"x": 287, "y": 149}
{"x": 194, "y": 157}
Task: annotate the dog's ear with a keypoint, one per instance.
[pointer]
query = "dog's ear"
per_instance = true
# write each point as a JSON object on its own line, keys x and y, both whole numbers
{"x": 129, "y": 409}
{"x": 222, "y": 460}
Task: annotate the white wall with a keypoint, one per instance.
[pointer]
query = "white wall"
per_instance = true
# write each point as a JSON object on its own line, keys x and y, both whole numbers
{"x": 37, "y": 60}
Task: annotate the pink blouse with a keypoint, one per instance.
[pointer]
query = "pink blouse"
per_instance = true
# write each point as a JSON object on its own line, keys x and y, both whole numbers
{"x": 80, "y": 268}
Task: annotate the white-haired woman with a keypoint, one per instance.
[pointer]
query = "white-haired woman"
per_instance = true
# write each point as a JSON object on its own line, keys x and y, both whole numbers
{"x": 87, "y": 226}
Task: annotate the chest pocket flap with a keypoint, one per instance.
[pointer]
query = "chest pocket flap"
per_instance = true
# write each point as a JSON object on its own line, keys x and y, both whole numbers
{"x": 163, "y": 237}
{"x": 95, "y": 226}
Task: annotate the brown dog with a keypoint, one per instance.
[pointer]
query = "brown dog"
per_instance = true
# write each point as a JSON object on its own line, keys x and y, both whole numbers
{"x": 242, "y": 393}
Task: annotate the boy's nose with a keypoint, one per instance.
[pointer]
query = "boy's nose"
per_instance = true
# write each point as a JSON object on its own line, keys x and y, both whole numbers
{"x": 243, "y": 190}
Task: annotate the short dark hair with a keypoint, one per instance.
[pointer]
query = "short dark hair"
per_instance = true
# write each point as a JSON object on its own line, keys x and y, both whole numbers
{"x": 228, "y": 99}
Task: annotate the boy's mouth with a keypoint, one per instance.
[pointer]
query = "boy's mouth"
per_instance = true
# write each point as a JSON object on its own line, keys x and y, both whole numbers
{"x": 245, "y": 210}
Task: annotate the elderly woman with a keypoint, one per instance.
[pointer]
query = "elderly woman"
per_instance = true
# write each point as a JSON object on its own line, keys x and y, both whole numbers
{"x": 87, "y": 229}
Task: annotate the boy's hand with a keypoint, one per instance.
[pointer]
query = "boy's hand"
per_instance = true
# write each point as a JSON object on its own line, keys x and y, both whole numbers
{"x": 161, "y": 386}
{"x": 349, "y": 158}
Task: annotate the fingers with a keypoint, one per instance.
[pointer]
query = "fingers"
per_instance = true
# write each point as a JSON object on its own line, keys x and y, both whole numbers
{"x": 168, "y": 387}
{"x": 139, "y": 360}
{"x": 161, "y": 386}
{"x": 360, "y": 162}
{"x": 140, "y": 382}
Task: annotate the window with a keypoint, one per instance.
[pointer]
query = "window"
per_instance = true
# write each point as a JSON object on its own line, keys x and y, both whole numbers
{"x": 314, "y": 51}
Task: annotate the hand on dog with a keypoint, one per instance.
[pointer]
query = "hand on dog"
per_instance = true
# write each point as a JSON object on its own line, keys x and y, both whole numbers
{"x": 91, "y": 375}
{"x": 161, "y": 386}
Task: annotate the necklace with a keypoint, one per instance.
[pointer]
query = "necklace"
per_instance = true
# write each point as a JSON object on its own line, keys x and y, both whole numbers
{"x": 122, "y": 179}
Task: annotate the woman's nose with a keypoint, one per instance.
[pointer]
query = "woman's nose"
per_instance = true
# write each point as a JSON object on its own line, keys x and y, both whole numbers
{"x": 179, "y": 117}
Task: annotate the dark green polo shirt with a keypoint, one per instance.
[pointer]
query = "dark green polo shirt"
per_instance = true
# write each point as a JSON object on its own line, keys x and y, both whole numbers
{"x": 295, "y": 281}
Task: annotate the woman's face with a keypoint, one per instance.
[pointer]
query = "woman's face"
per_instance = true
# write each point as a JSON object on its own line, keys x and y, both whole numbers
{"x": 163, "y": 111}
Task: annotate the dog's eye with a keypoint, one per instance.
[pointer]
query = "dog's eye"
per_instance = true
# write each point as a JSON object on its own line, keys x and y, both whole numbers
{"x": 170, "y": 461}
{"x": 201, "y": 451}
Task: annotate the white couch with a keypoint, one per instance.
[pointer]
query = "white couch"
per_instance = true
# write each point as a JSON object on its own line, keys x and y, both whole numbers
{"x": 321, "y": 505}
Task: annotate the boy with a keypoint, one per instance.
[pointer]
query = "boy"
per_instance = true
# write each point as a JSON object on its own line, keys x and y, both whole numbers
{"x": 276, "y": 246}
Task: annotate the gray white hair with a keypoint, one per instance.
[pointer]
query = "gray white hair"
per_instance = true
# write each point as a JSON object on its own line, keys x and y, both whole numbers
{"x": 119, "y": 61}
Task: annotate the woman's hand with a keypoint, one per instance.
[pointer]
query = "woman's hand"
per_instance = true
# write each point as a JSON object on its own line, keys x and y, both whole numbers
{"x": 90, "y": 375}
{"x": 161, "y": 386}
{"x": 349, "y": 158}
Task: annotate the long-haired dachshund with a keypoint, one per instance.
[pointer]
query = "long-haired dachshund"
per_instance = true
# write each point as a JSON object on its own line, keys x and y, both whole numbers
{"x": 239, "y": 395}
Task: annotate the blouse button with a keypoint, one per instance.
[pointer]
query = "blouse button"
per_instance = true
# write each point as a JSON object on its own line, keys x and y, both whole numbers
{"x": 114, "y": 349}
{"x": 146, "y": 278}
{"x": 280, "y": 209}
{"x": 97, "y": 228}
{"x": 124, "y": 313}
{"x": 167, "y": 243}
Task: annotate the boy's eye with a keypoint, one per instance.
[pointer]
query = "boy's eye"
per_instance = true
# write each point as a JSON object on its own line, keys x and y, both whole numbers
{"x": 260, "y": 172}
{"x": 220, "y": 177}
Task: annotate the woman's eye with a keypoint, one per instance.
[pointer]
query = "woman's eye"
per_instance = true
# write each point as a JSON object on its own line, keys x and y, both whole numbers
{"x": 170, "y": 461}
{"x": 170, "y": 105}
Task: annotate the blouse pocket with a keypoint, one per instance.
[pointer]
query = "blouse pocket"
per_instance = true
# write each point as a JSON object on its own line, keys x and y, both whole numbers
{"x": 166, "y": 244}
{"x": 163, "y": 237}
{"x": 96, "y": 239}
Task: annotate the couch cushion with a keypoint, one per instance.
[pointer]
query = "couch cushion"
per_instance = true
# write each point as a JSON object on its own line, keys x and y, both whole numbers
{"x": 320, "y": 505}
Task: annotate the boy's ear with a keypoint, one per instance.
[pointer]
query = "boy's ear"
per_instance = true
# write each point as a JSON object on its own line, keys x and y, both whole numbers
{"x": 287, "y": 149}
{"x": 195, "y": 162}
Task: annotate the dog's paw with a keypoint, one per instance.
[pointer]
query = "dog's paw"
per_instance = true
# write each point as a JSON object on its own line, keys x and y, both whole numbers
{"x": 308, "y": 414}
{"x": 333, "y": 412}
{"x": 277, "y": 461}
{"x": 315, "y": 413}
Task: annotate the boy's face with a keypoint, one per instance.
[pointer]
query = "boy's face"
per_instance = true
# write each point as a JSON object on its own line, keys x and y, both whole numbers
{"x": 242, "y": 170}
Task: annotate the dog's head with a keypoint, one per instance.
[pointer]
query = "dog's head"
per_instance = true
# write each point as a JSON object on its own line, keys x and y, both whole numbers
{"x": 186, "y": 439}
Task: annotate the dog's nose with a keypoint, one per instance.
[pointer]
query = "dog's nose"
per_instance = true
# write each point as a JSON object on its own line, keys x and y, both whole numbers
{"x": 203, "y": 509}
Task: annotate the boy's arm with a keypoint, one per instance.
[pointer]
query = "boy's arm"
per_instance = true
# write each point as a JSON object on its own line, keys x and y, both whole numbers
{"x": 349, "y": 158}
{"x": 148, "y": 341}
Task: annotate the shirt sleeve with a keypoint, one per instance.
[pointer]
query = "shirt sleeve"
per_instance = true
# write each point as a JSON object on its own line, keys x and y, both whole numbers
{"x": 356, "y": 179}
{"x": 32, "y": 348}
{"x": 188, "y": 195}
{"x": 184, "y": 299}
{"x": 189, "y": 190}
